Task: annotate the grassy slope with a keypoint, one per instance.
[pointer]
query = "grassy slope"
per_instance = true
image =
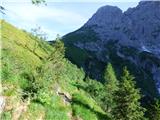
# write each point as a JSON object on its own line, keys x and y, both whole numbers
{"x": 30, "y": 82}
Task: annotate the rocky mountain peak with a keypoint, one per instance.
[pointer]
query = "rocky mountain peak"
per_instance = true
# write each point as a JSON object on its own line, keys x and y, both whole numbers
{"x": 138, "y": 27}
{"x": 105, "y": 15}
{"x": 149, "y": 3}
{"x": 131, "y": 37}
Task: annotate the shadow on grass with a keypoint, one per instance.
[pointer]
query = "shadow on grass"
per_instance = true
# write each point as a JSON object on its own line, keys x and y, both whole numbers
{"x": 101, "y": 116}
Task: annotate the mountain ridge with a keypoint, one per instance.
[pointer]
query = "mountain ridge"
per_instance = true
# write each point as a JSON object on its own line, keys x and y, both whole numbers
{"x": 131, "y": 37}
{"x": 113, "y": 21}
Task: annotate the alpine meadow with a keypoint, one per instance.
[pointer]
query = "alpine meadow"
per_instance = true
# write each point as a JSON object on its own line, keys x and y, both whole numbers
{"x": 106, "y": 69}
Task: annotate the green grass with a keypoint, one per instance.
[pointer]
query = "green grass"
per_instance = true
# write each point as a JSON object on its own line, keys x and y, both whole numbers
{"x": 34, "y": 111}
{"x": 6, "y": 115}
{"x": 27, "y": 74}
{"x": 81, "y": 112}
{"x": 86, "y": 100}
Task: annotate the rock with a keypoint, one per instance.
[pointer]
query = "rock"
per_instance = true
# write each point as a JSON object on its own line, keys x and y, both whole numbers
{"x": 66, "y": 97}
{"x": 105, "y": 16}
{"x": 137, "y": 27}
{"x": 2, "y": 104}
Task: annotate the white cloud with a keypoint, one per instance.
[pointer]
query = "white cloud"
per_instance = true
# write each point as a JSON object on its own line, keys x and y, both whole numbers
{"x": 28, "y": 16}
{"x": 33, "y": 14}
{"x": 53, "y": 19}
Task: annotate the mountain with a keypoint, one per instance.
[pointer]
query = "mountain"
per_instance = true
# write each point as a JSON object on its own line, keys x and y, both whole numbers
{"x": 130, "y": 38}
{"x": 39, "y": 83}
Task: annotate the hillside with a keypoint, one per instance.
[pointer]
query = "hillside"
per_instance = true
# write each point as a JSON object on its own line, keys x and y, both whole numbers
{"x": 109, "y": 69}
{"x": 130, "y": 38}
{"x": 39, "y": 83}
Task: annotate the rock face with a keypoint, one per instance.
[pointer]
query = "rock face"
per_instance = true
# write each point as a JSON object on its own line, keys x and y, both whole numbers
{"x": 130, "y": 38}
{"x": 106, "y": 17}
{"x": 138, "y": 27}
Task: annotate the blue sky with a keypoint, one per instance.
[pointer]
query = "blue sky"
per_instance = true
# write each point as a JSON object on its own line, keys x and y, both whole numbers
{"x": 59, "y": 16}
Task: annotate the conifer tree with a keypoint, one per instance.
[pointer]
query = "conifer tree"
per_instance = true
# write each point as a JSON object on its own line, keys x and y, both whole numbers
{"x": 110, "y": 78}
{"x": 127, "y": 100}
{"x": 153, "y": 111}
{"x": 111, "y": 86}
{"x": 156, "y": 110}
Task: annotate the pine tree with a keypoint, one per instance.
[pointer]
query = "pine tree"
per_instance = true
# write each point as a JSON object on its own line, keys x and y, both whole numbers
{"x": 127, "y": 100}
{"x": 111, "y": 86}
{"x": 111, "y": 81}
{"x": 156, "y": 110}
{"x": 153, "y": 111}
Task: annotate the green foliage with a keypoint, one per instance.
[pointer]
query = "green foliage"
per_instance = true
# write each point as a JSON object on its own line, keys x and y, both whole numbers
{"x": 58, "y": 54}
{"x": 37, "y": 2}
{"x": 77, "y": 55}
{"x": 81, "y": 112}
{"x": 86, "y": 108}
{"x": 111, "y": 81}
{"x": 34, "y": 72}
{"x": 34, "y": 111}
{"x": 157, "y": 110}
{"x": 127, "y": 100}
{"x": 59, "y": 46}
{"x": 103, "y": 94}
{"x": 153, "y": 110}
{"x": 56, "y": 109}
{"x": 55, "y": 114}
{"x": 87, "y": 36}
{"x": 81, "y": 57}
{"x": 143, "y": 78}
{"x": 111, "y": 86}
{"x": 87, "y": 101}
{"x": 6, "y": 116}
{"x": 44, "y": 97}
{"x": 95, "y": 89}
